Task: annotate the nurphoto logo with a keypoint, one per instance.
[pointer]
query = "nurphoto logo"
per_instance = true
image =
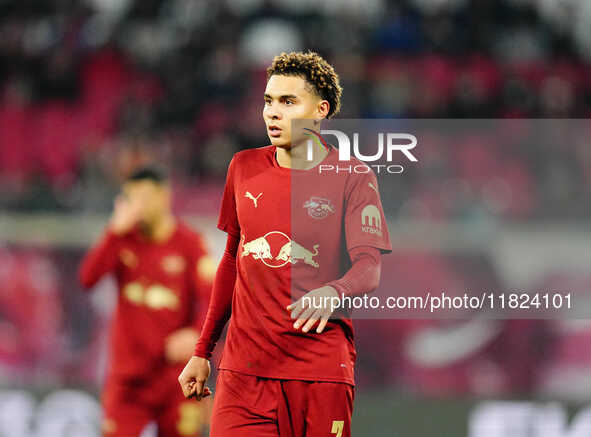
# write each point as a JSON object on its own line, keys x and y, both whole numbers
{"x": 392, "y": 145}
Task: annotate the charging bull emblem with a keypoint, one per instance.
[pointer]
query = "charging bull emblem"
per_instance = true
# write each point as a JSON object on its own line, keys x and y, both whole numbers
{"x": 258, "y": 248}
{"x": 287, "y": 250}
{"x": 293, "y": 252}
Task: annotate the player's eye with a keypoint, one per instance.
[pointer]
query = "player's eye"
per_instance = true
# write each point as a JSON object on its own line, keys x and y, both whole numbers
{"x": 289, "y": 102}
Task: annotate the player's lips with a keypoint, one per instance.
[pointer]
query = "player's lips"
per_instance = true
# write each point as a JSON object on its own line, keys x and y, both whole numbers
{"x": 274, "y": 131}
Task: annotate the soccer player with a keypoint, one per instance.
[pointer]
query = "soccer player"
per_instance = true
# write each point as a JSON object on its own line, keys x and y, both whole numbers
{"x": 164, "y": 276}
{"x": 292, "y": 232}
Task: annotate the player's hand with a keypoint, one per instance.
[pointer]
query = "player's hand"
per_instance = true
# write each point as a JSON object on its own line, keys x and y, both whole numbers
{"x": 319, "y": 311}
{"x": 193, "y": 377}
{"x": 125, "y": 215}
{"x": 179, "y": 345}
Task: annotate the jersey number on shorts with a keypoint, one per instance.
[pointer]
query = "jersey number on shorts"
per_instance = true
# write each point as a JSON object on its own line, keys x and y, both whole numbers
{"x": 337, "y": 427}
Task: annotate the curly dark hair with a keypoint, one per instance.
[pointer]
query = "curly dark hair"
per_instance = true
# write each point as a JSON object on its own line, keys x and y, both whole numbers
{"x": 317, "y": 72}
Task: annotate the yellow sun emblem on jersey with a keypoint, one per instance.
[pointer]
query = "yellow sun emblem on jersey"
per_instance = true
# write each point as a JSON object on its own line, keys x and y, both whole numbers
{"x": 156, "y": 296}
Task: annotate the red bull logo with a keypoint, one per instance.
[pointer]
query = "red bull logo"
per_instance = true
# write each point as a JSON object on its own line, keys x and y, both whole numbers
{"x": 318, "y": 207}
{"x": 290, "y": 252}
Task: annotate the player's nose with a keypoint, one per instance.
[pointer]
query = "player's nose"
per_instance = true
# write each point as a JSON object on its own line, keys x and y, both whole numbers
{"x": 272, "y": 112}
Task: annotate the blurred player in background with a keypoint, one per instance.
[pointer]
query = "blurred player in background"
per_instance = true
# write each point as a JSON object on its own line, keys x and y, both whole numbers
{"x": 164, "y": 275}
{"x": 288, "y": 367}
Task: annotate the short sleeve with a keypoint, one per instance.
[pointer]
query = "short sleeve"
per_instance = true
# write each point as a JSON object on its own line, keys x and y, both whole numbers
{"x": 228, "y": 219}
{"x": 365, "y": 222}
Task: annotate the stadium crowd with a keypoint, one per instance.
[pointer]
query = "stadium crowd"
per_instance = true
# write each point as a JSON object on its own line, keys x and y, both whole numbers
{"x": 91, "y": 89}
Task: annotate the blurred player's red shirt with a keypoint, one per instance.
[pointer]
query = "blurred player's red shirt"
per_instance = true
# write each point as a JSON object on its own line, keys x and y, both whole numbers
{"x": 295, "y": 229}
{"x": 162, "y": 287}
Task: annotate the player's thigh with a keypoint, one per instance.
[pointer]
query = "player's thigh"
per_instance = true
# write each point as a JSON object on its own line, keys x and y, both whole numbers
{"x": 329, "y": 409}
{"x": 244, "y": 406}
{"x": 123, "y": 415}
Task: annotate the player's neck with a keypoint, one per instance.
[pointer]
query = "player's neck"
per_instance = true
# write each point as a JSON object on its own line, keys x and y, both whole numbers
{"x": 160, "y": 230}
{"x": 295, "y": 157}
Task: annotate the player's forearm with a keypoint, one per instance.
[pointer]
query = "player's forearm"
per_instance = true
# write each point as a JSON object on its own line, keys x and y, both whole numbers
{"x": 364, "y": 274}
{"x": 220, "y": 304}
{"x": 202, "y": 298}
{"x": 100, "y": 260}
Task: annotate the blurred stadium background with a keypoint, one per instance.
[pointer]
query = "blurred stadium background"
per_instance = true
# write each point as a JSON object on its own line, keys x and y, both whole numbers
{"x": 91, "y": 89}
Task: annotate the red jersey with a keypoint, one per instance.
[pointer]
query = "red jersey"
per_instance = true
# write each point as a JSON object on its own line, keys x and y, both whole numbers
{"x": 162, "y": 287}
{"x": 295, "y": 228}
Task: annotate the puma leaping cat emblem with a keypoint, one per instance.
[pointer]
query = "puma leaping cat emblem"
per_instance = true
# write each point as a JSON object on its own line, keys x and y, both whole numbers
{"x": 254, "y": 199}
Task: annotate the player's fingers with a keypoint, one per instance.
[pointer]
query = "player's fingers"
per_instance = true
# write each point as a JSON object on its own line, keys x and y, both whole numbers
{"x": 206, "y": 392}
{"x": 297, "y": 309}
{"x": 182, "y": 381}
{"x": 192, "y": 393}
{"x": 302, "y": 317}
{"x": 314, "y": 318}
{"x": 308, "y": 312}
{"x": 203, "y": 396}
{"x": 295, "y": 304}
{"x": 199, "y": 385}
{"x": 309, "y": 324}
{"x": 322, "y": 324}
{"x": 187, "y": 388}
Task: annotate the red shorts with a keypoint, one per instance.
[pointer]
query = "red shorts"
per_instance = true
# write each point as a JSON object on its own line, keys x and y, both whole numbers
{"x": 247, "y": 405}
{"x": 129, "y": 405}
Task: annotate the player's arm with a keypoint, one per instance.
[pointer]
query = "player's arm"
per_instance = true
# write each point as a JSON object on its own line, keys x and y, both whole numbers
{"x": 196, "y": 372}
{"x": 103, "y": 257}
{"x": 100, "y": 260}
{"x": 363, "y": 277}
{"x": 362, "y": 200}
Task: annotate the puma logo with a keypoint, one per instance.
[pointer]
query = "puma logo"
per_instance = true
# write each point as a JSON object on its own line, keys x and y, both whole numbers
{"x": 254, "y": 199}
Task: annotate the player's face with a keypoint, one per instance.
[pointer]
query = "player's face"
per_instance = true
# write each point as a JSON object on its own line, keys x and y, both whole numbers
{"x": 151, "y": 199}
{"x": 289, "y": 98}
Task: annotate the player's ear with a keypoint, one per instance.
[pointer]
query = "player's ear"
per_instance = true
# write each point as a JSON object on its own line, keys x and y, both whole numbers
{"x": 323, "y": 108}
